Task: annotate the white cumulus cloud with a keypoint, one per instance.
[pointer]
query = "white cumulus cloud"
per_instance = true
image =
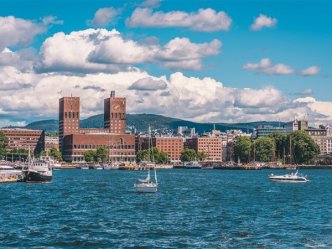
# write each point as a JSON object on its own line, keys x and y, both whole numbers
{"x": 150, "y": 3}
{"x": 18, "y": 32}
{"x": 265, "y": 66}
{"x": 207, "y": 20}
{"x": 69, "y": 53}
{"x": 52, "y": 20}
{"x": 103, "y": 17}
{"x": 263, "y": 21}
{"x": 100, "y": 50}
{"x": 66, "y": 66}
{"x": 148, "y": 84}
{"x": 177, "y": 95}
{"x": 310, "y": 71}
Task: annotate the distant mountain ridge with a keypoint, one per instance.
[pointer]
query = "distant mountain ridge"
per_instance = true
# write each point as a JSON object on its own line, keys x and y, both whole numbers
{"x": 141, "y": 122}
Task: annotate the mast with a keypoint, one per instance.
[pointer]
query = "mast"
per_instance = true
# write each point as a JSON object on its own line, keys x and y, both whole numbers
{"x": 151, "y": 155}
{"x": 290, "y": 149}
{"x": 109, "y": 149}
{"x": 29, "y": 156}
{"x": 284, "y": 152}
{"x": 254, "y": 151}
{"x": 249, "y": 156}
{"x": 155, "y": 174}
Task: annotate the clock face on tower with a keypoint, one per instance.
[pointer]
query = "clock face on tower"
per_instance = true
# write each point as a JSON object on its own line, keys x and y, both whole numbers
{"x": 116, "y": 107}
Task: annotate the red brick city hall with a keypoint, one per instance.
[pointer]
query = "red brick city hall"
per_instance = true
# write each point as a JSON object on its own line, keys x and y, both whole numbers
{"x": 74, "y": 141}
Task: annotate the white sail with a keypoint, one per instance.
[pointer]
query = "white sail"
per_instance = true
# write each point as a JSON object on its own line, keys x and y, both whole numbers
{"x": 147, "y": 179}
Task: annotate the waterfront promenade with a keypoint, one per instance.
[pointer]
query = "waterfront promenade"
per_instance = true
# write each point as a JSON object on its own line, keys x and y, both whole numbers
{"x": 220, "y": 166}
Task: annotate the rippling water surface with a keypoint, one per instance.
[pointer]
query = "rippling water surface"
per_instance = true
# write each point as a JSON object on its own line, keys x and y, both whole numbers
{"x": 193, "y": 209}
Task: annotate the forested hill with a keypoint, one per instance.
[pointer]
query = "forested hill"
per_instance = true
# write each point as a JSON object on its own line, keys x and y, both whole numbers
{"x": 142, "y": 121}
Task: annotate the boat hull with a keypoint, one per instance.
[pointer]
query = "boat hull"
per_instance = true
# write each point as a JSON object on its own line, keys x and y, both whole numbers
{"x": 143, "y": 188}
{"x": 35, "y": 177}
{"x": 289, "y": 180}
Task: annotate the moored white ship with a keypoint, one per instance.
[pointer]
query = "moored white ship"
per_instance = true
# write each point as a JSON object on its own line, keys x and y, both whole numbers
{"x": 39, "y": 171}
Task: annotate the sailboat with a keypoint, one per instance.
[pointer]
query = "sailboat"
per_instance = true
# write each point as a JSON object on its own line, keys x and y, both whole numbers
{"x": 147, "y": 185}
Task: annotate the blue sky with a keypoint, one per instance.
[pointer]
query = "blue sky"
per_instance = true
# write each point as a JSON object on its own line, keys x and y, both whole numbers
{"x": 299, "y": 39}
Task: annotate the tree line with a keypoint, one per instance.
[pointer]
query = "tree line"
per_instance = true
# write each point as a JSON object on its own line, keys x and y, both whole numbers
{"x": 99, "y": 155}
{"x": 161, "y": 157}
{"x": 296, "y": 147}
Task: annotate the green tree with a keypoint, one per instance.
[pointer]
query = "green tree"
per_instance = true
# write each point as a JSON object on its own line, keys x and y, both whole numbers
{"x": 42, "y": 153}
{"x": 55, "y": 154}
{"x": 280, "y": 144}
{"x": 264, "y": 149}
{"x": 188, "y": 155}
{"x": 142, "y": 155}
{"x": 17, "y": 154}
{"x": 152, "y": 155}
{"x": 101, "y": 155}
{"x": 303, "y": 147}
{"x": 201, "y": 156}
{"x": 242, "y": 146}
{"x": 3, "y": 145}
{"x": 89, "y": 156}
{"x": 161, "y": 157}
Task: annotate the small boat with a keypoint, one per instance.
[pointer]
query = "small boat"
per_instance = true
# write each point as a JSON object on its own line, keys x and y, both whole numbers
{"x": 110, "y": 166}
{"x": 84, "y": 167}
{"x": 208, "y": 167}
{"x": 293, "y": 177}
{"x": 193, "y": 165}
{"x": 39, "y": 171}
{"x": 146, "y": 185}
{"x": 10, "y": 174}
{"x": 52, "y": 162}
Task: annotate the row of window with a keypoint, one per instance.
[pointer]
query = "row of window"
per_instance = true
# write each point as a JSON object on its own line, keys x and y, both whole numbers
{"x": 94, "y": 146}
{"x": 77, "y": 153}
{"x": 80, "y": 158}
{"x": 118, "y": 115}
{"x": 71, "y": 114}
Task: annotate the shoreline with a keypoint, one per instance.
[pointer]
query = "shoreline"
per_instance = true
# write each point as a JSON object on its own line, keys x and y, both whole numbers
{"x": 244, "y": 167}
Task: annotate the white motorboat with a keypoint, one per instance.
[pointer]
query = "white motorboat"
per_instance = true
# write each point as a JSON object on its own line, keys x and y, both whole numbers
{"x": 111, "y": 166}
{"x": 84, "y": 166}
{"x": 193, "y": 165}
{"x": 52, "y": 162}
{"x": 208, "y": 167}
{"x": 293, "y": 177}
{"x": 146, "y": 185}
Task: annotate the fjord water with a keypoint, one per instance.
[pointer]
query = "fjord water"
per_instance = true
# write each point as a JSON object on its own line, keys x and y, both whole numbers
{"x": 193, "y": 209}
